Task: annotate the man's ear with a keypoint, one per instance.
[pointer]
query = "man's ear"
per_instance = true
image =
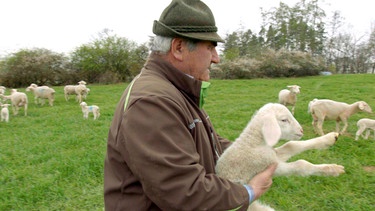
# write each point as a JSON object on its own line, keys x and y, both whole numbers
{"x": 177, "y": 48}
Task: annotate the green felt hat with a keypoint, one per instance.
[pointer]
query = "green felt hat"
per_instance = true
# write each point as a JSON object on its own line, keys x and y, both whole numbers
{"x": 187, "y": 18}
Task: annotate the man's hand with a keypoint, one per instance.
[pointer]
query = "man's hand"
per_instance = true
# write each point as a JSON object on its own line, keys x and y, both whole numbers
{"x": 262, "y": 181}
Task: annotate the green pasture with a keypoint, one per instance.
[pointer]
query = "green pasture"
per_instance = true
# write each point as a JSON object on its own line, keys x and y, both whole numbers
{"x": 52, "y": 159}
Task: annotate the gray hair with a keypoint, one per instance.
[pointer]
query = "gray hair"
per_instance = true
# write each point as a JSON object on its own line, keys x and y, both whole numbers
{"x": 162, "y": 44}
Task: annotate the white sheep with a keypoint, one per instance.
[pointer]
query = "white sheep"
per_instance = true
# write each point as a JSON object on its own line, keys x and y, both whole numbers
{"x": 253, "y": 151}
{"x": 325, "y": 109}
{"x": 41, "y": 93}
{"x": 367, "y": 125}
{"x": 87, "y": 109}
{"x": 82, "y": 82}
{"x": 288, "y": 97}
{"x": 80, "y": 90}
{"x": 17, "y": 99}
{"x": 2, "y": 90}
{"x": 5, "y": 112}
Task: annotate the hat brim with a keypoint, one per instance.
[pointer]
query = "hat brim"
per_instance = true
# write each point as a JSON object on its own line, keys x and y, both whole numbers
{"x": 161, "y": 29}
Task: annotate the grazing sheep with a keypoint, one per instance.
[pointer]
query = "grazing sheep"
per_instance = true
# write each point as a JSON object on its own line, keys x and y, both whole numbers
{"x": 332, "y": 110}
{"x": 41, "y": 93}
{"x": 17, "y": 99}
{"x": 5, "y": 113}
{"x": 87, "y": 109}
{"x": 252, "y": 152}
{"x": 289, "y": 97}
{"x": 365, "y": 124}
{"x": 80, "y": 90}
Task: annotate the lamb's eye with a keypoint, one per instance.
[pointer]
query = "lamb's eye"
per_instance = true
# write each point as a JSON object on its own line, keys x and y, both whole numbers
{"x": 285, "y": 120}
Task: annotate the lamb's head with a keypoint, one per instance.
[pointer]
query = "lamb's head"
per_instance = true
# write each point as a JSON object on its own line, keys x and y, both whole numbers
{"x": 31, "y": 87}
{"x": 294, "y": 88}
{"x": 83, "y": 104}
{"x": 279, "y": 123}
{"x": 363, "y": 106}
{"x": 82, "y": 82}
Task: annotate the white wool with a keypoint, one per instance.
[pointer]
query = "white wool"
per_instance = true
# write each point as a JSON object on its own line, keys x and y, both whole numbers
{"x": 326, "y": 109}
{"x": 252, "y": 152}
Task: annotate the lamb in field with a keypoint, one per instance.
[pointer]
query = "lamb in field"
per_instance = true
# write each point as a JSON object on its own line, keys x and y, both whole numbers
{"x": 288, "y": 97}
{"x": 17, "y": 99}
{"x": 332, "y": 110}
{"x": 80, "y": 90}
{"x": 253, "y": 151}
{"x": 5, "y": 112}
{"x": 41, "y": 93}
{"x": 87, "y": 109}
{"x": 367, "y": 125}
{"x": 2, "y": 90}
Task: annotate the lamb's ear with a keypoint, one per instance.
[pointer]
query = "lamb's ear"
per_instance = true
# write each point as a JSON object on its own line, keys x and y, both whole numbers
{"x": 271, "y": 130}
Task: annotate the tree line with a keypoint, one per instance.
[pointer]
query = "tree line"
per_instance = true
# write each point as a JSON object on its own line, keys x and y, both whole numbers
{"x": 292, "y": 42}
{"x": 296, "y": 38}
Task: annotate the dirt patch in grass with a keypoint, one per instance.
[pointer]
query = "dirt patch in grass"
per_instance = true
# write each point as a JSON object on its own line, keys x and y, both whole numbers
{"x": 369, "y": 168}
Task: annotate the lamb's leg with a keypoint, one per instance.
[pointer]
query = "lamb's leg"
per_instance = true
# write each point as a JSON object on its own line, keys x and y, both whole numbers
{"x": 359, "y": 133}
{"x": 367, "y": 134}
{"x": 292, "y": 148}
{"x": 293, "y": 110}
{"x": 14, "y": 110}
{"x": 345, "y": 126}
{"x": 304, "y": 168}
{"x": 314, "y": 124}
{"x": 320, "y": 127}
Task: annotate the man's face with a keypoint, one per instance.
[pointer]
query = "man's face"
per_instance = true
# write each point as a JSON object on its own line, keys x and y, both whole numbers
{"x": 198, "y": 61}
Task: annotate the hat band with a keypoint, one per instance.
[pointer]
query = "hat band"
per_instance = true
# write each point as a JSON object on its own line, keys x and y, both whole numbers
{"x": 192, "y": 29}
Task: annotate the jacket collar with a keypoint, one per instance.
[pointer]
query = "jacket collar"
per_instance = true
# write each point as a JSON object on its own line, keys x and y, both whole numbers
{"x": 184, "y": 83}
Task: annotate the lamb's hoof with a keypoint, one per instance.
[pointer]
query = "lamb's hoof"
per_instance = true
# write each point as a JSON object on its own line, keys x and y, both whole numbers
{"x": 334, "y": 170}
{"x": 328, "y": 140}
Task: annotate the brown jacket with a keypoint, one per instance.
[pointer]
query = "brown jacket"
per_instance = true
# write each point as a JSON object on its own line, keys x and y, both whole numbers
{"x": 161, "y": 152}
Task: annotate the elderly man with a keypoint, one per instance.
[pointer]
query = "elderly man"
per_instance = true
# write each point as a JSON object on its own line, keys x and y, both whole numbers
{"x": 162, "y": 148}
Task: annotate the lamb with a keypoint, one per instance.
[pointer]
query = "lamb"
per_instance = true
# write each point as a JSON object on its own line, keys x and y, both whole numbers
{"x": 5, "y": 112}
{"x": 87, "y": 109}
{"x": 17, "y": 99}
{"x": 365, "y": 124}
{"x": 41, "y": 93}
{"x": 79, "y": 90}
{"x": 253, "y": 151}
{"x": 289, "y": 97}
{"x": 2, "y": 89}
{"x": 325, "y": 109}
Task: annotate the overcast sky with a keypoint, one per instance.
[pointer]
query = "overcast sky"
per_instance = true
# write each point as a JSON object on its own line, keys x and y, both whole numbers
{"x": 62, "y": 25}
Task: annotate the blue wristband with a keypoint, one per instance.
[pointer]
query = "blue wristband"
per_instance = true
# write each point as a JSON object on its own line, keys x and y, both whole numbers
{"x": 251, "y": 192}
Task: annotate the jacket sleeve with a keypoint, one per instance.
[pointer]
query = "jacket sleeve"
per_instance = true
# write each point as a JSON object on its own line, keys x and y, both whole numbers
{"x": 162, "y": 153}
{"x": 225, "y": 143}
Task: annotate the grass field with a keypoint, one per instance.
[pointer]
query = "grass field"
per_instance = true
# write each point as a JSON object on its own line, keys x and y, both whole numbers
{"x": 52, "y": 159}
